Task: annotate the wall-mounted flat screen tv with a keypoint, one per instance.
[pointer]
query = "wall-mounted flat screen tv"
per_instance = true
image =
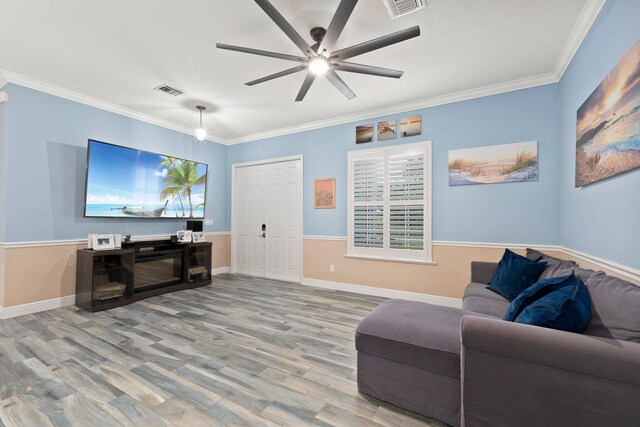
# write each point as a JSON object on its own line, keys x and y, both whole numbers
{"x": 128, "y": 183}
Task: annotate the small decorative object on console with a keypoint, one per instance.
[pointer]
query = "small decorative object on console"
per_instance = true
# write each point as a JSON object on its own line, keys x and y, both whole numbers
{"x": 100, "y": 242}
{"x": 197, "y": 236}
{"x": 184, "y": 236}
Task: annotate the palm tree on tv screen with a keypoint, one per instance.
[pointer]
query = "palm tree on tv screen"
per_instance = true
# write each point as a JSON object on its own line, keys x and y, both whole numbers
{"x": 172, "y": 192}
{"x": 184, "y": 175}
{"x": 171, "y": 162}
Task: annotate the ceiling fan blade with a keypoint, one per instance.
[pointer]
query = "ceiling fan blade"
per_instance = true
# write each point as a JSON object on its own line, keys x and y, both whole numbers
{"x": 367, "y": 69}
{"x": 378, "y": 43}
{"x": 261, "y": 52}
{"x": 335, "y": 79}
{"x": 284, "y": 25}
{"x": 305, "y": 86}
{"x": 276, "y": 75}
{"x": 337, "y": 24}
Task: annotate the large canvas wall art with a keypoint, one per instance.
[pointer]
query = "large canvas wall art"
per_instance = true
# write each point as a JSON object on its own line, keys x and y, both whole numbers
{"x": 494, "y": 164}
{"x": 608, "y": 124}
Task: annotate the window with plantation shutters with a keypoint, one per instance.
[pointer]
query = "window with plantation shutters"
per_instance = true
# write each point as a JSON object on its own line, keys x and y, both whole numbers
{"x": 389, "y": 203}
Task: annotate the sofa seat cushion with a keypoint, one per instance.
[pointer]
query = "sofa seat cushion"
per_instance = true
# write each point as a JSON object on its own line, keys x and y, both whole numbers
{"x": 478, "y": 299}
{"x": 418, "y": 334}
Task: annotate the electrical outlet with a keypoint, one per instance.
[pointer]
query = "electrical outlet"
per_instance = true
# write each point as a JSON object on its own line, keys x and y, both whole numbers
{"x": 332, "y": 268}
{"x": 208, "y": 222}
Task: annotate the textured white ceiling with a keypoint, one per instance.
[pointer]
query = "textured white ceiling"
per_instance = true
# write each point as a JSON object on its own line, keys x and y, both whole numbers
{"x": 119, "y": 50}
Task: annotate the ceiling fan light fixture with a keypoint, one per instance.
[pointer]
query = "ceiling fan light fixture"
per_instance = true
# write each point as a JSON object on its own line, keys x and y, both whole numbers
{"x": 319, "y": 65}
{"x": 201, "y": 132}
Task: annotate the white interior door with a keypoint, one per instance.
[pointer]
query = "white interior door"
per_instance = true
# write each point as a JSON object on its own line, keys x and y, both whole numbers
{"x": 268, "y": 234}
{"x": 283, "y": 220}
{"x": 251, "y": 193}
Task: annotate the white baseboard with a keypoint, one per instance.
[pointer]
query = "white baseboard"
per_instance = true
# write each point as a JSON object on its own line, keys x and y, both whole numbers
{"x": 383, "y": 292}
{"x": 35, "y": 307}
{"x": 220, "y": 270}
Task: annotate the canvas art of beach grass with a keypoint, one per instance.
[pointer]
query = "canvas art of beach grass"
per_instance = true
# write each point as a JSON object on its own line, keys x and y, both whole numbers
{"x": 494, "y": 164}
{"x": 608, "y": 124}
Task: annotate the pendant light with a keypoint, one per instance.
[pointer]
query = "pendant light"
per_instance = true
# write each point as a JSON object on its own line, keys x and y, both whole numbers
{"x": 201, "y": 132}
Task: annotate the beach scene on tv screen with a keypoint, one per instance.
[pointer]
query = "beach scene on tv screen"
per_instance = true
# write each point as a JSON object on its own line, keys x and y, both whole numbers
{"x": 124, "y": 182}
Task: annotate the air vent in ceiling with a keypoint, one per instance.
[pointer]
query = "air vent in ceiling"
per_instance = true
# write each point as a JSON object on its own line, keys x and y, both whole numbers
{"x": 168, "y": 89}
{"x": 398, "y": 8}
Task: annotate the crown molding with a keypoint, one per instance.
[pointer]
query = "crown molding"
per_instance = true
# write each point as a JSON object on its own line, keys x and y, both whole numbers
{"x": 3, "y": 79}
{"x": 585, "y": 21}
{"x": 18, "y": 79}
{"x": 524, "y": 83}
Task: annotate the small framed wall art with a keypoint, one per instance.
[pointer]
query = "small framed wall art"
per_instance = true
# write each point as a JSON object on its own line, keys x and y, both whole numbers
{"x": 197, "y": 236}
{"x": 364, "y": 133}
{"x": 387, "y": 130}
{"x": 411, "y": 126}
{"x": 324, "y": 193}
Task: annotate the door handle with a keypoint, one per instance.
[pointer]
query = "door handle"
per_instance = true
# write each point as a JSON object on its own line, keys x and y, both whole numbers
{"x": 263, "y": 235}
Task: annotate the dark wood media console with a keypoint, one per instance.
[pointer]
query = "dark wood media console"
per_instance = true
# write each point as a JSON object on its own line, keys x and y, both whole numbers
{"x": 112, "y": 278}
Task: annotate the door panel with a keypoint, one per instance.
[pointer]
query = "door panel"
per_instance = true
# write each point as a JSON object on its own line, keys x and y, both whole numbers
{"x": 269, "y": 194}
{"x": 251, "y": 210}
{"x": 284, "y": 221}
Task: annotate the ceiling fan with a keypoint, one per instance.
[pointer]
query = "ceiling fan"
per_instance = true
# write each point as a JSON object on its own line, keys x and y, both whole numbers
{"x": 321, "y": 58}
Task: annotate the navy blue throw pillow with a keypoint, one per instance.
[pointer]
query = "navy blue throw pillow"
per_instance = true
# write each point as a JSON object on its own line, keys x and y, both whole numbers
{"x": 561, "y": 303}
{"x": 514, "y": 274}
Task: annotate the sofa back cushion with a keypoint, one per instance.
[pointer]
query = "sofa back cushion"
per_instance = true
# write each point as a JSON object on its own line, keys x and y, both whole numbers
{"x": 615, "y": 308}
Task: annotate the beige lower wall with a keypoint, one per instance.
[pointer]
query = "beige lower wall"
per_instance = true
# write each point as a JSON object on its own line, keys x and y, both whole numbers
{"x": 1, "y": 277}
{"x": 40, "y": 273}
{"x": 220, "y": 249}
{"x": 447, "y": 279}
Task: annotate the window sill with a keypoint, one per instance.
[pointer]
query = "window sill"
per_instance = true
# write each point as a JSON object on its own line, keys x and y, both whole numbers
{"x": 401, "y": 261}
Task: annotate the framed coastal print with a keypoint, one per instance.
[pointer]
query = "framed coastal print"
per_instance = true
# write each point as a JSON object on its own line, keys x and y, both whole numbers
{"x": 324, "y": 193}
{"x": 411, "y": 126}
{"x": 494, "y": 164}
{"x": 387, "y": 130}
{"x": 364, "y": 133}
{"x": 608, "y": 124}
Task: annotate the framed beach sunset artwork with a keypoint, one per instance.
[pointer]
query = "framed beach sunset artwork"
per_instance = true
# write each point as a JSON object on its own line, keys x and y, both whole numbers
{"x": 411, "y": 126}
{"x": 324, "y": 193}
{"x": 494, "y": 164}
{"x": 364, "y": 133}
{"x": 608, "y": 124}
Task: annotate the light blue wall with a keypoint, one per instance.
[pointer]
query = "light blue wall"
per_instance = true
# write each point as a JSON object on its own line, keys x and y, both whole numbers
{"x": 508, "y": 213}
{"x": 47, "y": 159}
{"x": 3, "y": 168}
{"x": 601, "y": 219}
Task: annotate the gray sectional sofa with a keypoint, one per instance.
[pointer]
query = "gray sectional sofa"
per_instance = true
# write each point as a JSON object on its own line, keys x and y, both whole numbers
{"x": 469, "y": 367}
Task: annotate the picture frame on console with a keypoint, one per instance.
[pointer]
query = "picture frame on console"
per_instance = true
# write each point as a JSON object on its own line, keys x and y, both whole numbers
{"x": 184, "y": 236}
{"x": 102, "y": 242}
{"x": 197, "y": 236}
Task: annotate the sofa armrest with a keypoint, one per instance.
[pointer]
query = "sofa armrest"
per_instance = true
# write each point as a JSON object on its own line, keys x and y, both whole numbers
{"x": 482, "y": 272}
{"x": 511, "y": 371}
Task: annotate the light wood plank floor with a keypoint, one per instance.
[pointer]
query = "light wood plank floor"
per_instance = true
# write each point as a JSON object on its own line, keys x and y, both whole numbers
{"x": 241, "y": 351}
